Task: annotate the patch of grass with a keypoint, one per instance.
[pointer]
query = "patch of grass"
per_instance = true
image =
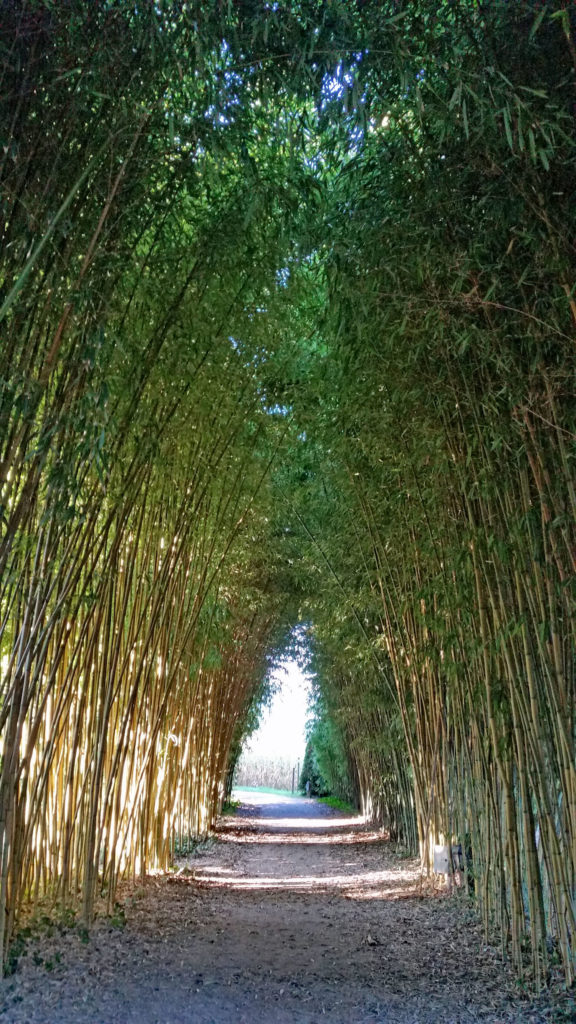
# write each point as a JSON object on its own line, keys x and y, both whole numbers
{"x": 337, "y": 804}
{"x": 264, "y": 789}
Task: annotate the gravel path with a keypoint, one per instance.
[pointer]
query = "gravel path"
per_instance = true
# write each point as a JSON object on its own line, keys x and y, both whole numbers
{"x": 297, "y": 915}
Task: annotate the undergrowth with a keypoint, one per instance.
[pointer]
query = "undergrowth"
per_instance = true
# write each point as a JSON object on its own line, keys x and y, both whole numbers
{"x": 230, "y": 806}
{"x": 192, "y": 846}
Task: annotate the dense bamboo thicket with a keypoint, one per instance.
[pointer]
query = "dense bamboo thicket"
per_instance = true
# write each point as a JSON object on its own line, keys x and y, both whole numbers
{"x": 438, "y": 500}
{"x": 287, "y": 310}
{"x": 137, "y": 618}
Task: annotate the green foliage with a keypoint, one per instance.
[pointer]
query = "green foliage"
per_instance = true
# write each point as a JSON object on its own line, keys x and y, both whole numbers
{"x": 326, "y": 760}
{"x": 337, "y": 804}
{"x": 312, "y": 783}
{"x": 229, "y": 807}
{"x": 118, "y": 917}
{"x": 287, "y": 297}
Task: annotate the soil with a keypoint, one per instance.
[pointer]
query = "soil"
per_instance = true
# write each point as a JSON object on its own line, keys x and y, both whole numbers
{"x": 295, "y": 915}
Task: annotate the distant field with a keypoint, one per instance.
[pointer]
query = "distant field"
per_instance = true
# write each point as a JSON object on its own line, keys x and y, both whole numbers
{"x": 264, "y": 789}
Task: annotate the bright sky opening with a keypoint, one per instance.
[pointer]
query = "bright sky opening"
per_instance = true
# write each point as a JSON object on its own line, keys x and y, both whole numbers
{"x": 282, "y": 731}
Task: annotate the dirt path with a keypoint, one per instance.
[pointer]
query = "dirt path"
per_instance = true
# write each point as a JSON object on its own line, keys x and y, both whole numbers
{"x": 297, "y": 916}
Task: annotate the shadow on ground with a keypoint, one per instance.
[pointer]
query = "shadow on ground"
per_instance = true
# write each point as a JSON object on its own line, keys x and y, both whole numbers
{"x": 298, "y": 915}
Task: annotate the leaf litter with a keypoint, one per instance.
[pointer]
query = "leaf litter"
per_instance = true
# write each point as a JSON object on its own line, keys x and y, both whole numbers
{"x": 297, "y": 915}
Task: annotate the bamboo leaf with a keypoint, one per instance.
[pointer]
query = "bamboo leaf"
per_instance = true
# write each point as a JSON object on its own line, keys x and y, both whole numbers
{"x": 538, "y": 21}
{"x": 508, "y": 127}
{"x": 37, "y": 251}
{"x": 465, "y": 119}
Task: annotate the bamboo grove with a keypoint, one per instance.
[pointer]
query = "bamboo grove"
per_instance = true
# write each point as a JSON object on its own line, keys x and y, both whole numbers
{"x": 287, "y": 310}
